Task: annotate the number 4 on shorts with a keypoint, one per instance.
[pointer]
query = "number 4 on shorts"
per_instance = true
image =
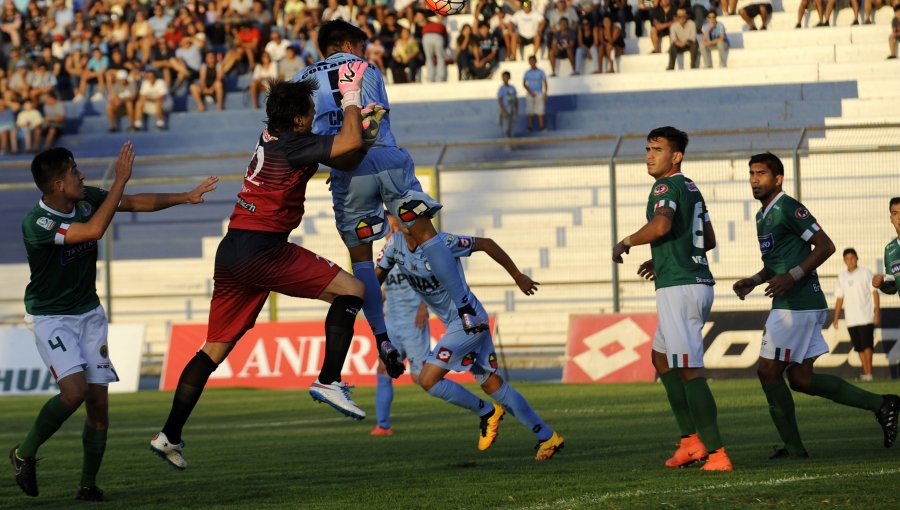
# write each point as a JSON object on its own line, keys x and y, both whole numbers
{"x": 57, "y": 345}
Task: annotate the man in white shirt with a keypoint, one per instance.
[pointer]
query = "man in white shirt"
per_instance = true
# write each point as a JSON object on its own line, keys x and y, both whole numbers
{"x": 150, "y": 101}
{"x": 527, "y": 22}
{"x": 276, "y": 47}
{"x": 861, "y": 309}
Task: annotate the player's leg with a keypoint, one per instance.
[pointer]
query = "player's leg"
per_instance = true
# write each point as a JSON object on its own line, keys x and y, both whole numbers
{"x": 414, "y": 347}
{"x": 93, "y": 439}
{"x": 384, "y": 397}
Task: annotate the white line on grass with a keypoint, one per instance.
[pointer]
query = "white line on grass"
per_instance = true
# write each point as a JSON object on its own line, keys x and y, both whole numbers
{"x": 596, "y": 498}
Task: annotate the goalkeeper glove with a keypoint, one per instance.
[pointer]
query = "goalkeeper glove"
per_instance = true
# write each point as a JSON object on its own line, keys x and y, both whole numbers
{"x": 350, "y": 76}
{"x": 372, "y": 115}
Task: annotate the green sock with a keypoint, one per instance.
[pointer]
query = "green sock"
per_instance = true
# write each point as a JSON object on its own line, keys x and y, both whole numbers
{"x": 94, "y": 442}
{"x": 781, "y": 408}
{"x": 842, "y": 392}
{"x": 48, "y": 421}
{"x": 678, "y": 400}
{"x": 703, "y": 411}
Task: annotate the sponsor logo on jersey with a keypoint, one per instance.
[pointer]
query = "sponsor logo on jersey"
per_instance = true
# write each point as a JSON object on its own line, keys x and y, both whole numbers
{"x": 802, "y": 213}
{"x": 464, "y": 242}
{"x": 104, "y": 351}
{"x": 691, "y": 186}
{"x": 267, "y": 137}
{"x": 766, "y": 243}
{"x": 77, "y": 250}
{"x": 444, "y": 354}
{"x": 250, "y": 206}
{"x": 468, "y": 359}
{"x": 660, "y": 189}
{"x": 492, "y": 360}
{"x": 85, "y": 207}
{"x": 369, "y": 227}
{"x": 895, "y": 267}
{"x": 103, "y": 365}
{"x": 412, "y": 210}
{"x": 46, "y": 223}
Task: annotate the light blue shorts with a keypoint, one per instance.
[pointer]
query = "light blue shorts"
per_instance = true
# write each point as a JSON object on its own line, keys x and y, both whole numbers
{"x": 461, "y": 352}
{"x": 412, "y": 342}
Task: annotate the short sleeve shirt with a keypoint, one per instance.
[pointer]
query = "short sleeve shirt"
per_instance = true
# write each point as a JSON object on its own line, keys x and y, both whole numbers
{"x": 892, "y": 259}
{"x": 507, "y": 94}
{"x": 534, "y": 79}
{"x": 856, "y": 290}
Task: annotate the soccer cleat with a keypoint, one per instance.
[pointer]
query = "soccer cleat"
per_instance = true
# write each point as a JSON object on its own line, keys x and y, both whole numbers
{"x": 490, "y": 425}
{"x": 548, "y": 448}
{"x": 26, "y": 472}
{"x": 381, "y": 431}
{"x": 690, "y": 450}
{"x": 471, "y": 322}
{"x": 92, "y": 493}
{"x": 887, "y": 417}
{"x": 167, "y": 451}
{"x": 783, "y": 453}
{"x": 390, "y": 356}
{"x": 337, "y": 395}
{"x": 718, "y": 461}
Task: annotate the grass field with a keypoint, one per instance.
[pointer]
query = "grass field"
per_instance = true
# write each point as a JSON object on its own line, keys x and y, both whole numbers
{"x": 278, "y": 449}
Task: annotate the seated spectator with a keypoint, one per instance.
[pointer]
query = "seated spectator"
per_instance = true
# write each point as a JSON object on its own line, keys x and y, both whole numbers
{"x": 29, "y": 121}
{"x": 663, "y": 17}
{"x": 683, "y": 39}
{"x": 141, "y": 42}
{"x": 751, "y": 11}
{"x": 117, "y": 62}
{"x": 829, "y": 9}
{"x": 465, "y": 52}
{"x": 334, "y": 11}
{"x": 645, "y": 11}
{"x": 562, "y": 44}
{"x": 502, "y": 28}
{"x": 291, "y": 64}
{"x": 188, "y": 59}
{"x": 587, "y": 47}
{"x": 613, "y": 40}
{"x": 894, "y": 38}
{"x": 159, "y": 21}
{"x": 9, "y": 139}
{"x": 277, "y": 47}
{"x": 210, "y": 86}
{"x": 162, "y": 58}
{"x": 487, "y": 52}
{"x": 264, "y": 71}
{"x": 245, "y": 44}
{"x": 11, "y": 24}
{"x": 714, "y": 37}
{"x": 119, "y": 32}
{"x": 406, "y": 58}
{"x": 375, "y": 53}
{"x": 94, "y": 71}
{"x": 527, "y": 23}
{"x": 152, "y": 98}
{"x": 801, "y": 12}
{"x": 18, "y": 84}
{"x": 122, "y": 99}
{"x": 40, "y": 81}
{"x": 54, "y": 119}
{"x": 74, "y": 66}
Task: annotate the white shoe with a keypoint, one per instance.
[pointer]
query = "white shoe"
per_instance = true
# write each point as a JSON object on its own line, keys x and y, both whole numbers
{"x": 139, "y": 124}
{"x": 337, "y": 395}
{"x": 77, "y": 98}
{"x": 866, "y": 377}
{"x": 169, "y": 452}
{"x": 97, "y": 97}
{"x": 160, "y": 124}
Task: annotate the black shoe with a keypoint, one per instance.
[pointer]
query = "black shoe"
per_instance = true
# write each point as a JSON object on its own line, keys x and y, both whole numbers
{"x": 783, "y": 453}
{"x": 471, "y": 322}
{"x": 887, "y": 418}
{"x": 92, "y": 493}
{"x": 26, "y": 474}
{"x": 390, "y": 356}
{"x": 855, "y": 22}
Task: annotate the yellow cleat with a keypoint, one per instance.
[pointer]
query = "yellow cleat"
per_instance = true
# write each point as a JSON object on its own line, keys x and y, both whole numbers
{"x": 548, "y": 448}
{"x": 489, "y": 427}
{"x": 718, "y": 461}
{"x": 690, "y": 450}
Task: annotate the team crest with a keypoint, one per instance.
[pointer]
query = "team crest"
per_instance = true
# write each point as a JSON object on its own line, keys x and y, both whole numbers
{"x": 85, "y": 207}
{"x": 802, "y": 213}
{"x": 468, "y": 359}
{"x": 492, "y": 360}
{"x": 660, "y": 189}
{"x": 444, "y": 354}
{"x": 464, "y": 242}
{"x": 412, "y": 210}
{"x": 691, "y": 186}
{"x": 369, "y": 227}
{"x": 46, "y": 223}
{"x": 104, "y": 351}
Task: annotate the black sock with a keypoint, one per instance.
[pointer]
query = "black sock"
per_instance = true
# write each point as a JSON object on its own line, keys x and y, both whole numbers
{"x": 338, "y": 336}
{"x": 190, "y": 387}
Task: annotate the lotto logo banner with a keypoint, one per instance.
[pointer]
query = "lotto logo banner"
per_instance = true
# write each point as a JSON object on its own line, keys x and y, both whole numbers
{"x": 610, "y": 348}
{"x": 284, "y": 355}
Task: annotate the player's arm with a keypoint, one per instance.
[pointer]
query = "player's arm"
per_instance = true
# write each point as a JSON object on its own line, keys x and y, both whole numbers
{"x": 93, "y": 229}
{"x": 876, "y": 300}
{"x": 654, "y": 229}
{"x": 494, "y": 251}
{"x": 709, "y": 236}
{"x": 422, "y": 315}
{"x": 381, "y": 274}
{"x": 345, "y": 149}
{"x": 822, "y": 249}
{"x": 149, "y": 202}
{"x": 884, "y": 285}
{"x": 745, "y": 286}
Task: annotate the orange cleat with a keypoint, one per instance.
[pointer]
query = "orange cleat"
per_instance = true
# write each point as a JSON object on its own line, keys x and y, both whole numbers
{"x": 718, "y": 461}
{"x": 379, "y": 431}
{"x": 690, "y": 450}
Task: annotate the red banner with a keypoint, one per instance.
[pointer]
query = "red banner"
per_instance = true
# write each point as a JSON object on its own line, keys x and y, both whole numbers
{"x": 610, "y": 348}
{"x": 283, "y": 355}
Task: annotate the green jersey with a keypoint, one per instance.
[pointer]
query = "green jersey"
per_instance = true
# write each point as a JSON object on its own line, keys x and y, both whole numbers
{"x": 679, "y": 257}
{"x": 784, "y": 229}
{"x": 892, "y": 259}
{"x": 62, "y": 275}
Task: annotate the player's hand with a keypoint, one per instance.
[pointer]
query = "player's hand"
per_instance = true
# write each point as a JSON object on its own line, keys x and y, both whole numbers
{"x": 421, "y": 317}
{"x": 876, "y": 321}
{"x": 125, "y": 162}
{"x": 350, "y": 76}
{"x": 618, "y": 250}
{"x": 526, "y": 284}
{"x": 836, "y": 320}
{"x": 877, "y": 280}
{"x": 328, "y": 182}
{"x": 372, "y": 115}
{"x": 195, "y": 196}
{"x": 647, "y": 271}
{"x": 743, "y": 287}
{"x": 779, "y": 285}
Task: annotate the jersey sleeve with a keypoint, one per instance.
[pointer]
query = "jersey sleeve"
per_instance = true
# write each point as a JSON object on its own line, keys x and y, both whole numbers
{"x": 798, "y": 220}
{"x": 308, "y": 150}
{"x": 386, "y": 258}
{"x": 41, "y": 230}
{"x": 664, "y": 194}
{"x": 459, "y": 246}
{"x": 373, "y": 90}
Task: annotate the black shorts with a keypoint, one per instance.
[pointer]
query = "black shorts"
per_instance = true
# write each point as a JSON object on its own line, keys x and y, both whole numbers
{"x": 525, "y": 41}
{"x": 752, "y": 10}
{"x": 862, "y": 337}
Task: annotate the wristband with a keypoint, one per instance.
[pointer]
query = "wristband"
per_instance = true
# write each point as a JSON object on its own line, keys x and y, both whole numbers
{"x": 797, "y": 273}
{"x": 756, "y": 279}
{"x": 351, "y": 98}
{"x": 627, "y": 242}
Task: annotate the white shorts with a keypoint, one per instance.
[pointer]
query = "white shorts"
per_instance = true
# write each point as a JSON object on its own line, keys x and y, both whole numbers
{"x": 682, "y": 310}
{"x": 534, "y": 105}
{"x": 75, "y": 343}
{"x": 794, "y": 335}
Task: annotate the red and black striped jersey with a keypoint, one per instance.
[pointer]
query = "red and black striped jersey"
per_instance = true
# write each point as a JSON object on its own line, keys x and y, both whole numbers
{"x": 274, "y": 188}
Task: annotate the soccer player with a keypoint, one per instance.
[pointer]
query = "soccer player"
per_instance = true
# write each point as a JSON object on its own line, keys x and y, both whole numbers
{"x": 861, "y": 306}
{"x": 887, "y": 282}
{"x": 460, "y": 351}
{"x": 255, "y": 258}
{"x": 792, "y": 338}
{"x": 407, "y": 324}
{"x": 385, "y": 176}
{"x": 680, "y": 233}
{"x": 63, "y": 308}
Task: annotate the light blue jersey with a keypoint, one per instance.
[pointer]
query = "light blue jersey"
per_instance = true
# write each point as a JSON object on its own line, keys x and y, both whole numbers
{"x": 534, "y": 80}
{"x": 401, "y": 307}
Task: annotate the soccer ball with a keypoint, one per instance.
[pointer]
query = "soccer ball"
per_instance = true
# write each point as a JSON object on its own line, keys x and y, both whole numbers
{"x": 446, "y": 7}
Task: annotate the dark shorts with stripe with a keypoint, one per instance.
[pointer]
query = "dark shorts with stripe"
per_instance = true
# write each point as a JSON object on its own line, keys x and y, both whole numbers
{"x": 862, "y": 337}
{"x": 251, "y": 264}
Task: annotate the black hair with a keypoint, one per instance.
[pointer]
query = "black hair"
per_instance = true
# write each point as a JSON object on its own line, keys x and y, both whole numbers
{"x": 894, "y": 201}
{"x": 335, "y": 33}
{"x": 848, "y": 251}
{"x": 286, "y": 101}
{"x": 506, "y": 74}
{"x": 49, "y": 166}
{"x": 770, "y": 160}
{"x": 678, "y": 140}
